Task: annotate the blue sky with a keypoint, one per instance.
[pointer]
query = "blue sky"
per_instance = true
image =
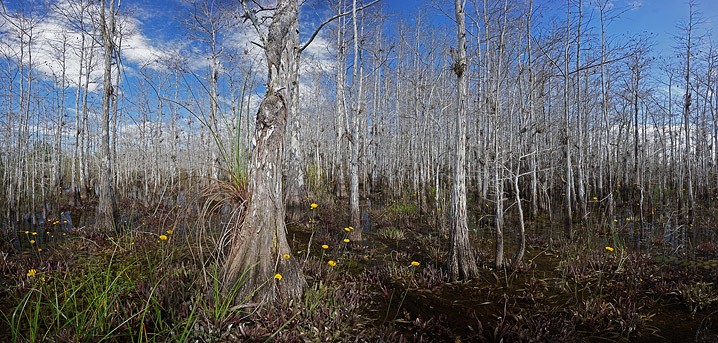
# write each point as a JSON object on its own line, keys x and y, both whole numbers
{"x": 158, "y": 27}
{"x": 659, "y": 18}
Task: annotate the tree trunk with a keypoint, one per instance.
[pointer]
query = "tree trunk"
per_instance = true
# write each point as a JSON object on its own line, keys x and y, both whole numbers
{"x": 107, "y": 205}
{"x": 568, "y": 219}
{"x": 258, "y": 243}
{"x": 354, "y": 213}
{"x": 340, "y": 187}
{"x": 686, "y": 119}
{"x": 462, "y": 264}
{"x": 521, "y": 249}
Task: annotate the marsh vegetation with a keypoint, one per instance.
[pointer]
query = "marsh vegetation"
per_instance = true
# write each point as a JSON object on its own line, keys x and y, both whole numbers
{"x": 332, "y": 171}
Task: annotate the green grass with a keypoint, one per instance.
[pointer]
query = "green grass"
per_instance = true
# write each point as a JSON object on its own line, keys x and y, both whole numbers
{"x": 118, "y": 292}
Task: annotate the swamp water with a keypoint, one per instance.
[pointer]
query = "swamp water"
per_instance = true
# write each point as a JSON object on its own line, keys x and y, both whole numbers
{"x": 594, "y": 294}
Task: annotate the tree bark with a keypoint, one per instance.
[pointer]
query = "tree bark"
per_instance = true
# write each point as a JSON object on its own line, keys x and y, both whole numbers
{"x": 107, "y": 205}
{"x": 259, "y": 242}
{"x": 354, "y": 213}
{"x": 686, "y": 118}
{"x": 462, "y": 264}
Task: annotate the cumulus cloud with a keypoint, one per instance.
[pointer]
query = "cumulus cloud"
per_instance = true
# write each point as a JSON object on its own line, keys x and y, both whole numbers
{"x": 318, "y": 56}
{"x": 138, "y": 49}
{"x": 56, "y": 40}
{"x": 245, "y": 41}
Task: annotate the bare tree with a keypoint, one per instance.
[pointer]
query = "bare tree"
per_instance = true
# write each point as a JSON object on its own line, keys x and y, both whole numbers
{"x": 462, "y": 263}
{"x": 568, "y": 178}
{"x": 107, "y": 205}
{"x": 258, "y": 243}
{"x": 354, "y": 132}
{"x": 688, "y": 157}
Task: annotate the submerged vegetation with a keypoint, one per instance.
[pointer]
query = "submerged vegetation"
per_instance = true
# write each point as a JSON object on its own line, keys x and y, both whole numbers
{"x": 159, "y": 281}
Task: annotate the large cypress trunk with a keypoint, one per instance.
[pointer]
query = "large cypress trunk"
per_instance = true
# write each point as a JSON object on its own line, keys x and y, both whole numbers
{"x": 259, "y": 242}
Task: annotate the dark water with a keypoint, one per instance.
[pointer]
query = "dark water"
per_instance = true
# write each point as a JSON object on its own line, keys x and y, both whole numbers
{"x": 37, "y": 230}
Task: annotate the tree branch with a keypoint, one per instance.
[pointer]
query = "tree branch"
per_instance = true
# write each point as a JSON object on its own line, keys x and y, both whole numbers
{"x": 337, "y": 16}
{"x": 255, "y": 22}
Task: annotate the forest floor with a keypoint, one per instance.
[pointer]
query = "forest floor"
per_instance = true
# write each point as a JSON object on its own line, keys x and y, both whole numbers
{"x": 158, "y": 281}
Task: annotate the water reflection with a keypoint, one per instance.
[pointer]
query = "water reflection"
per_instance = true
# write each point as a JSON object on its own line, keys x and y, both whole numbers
{"x": 35, "y": 230}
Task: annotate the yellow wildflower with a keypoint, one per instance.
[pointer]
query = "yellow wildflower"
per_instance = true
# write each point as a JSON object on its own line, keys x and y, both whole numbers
{"x": 332, "y": 263}
{"x": 628, "y": 219}
{"x": 163, "y": 237}
{"x": 278, "y": 276}
{"x": 32, "y": 241}
{"x": 39, "y": 249}
{"x": 351, "y": 228}
{"x": 286, "y": 256}
{"x": 609, "y": 249}
{"x": 313, "y": 206}
{"x": 595, "y": 199}
{"x": 27, "y": 232}
{"x": 56, "y": 222}
{"x": 415, "y": 264}
{"x": 34, "y": 233}
{"x": 325, "y": 247}
{"x": 31, "y": 272}
{"x": 346, "y": 240}
{"x": 170, "y": 231}
{"x": 347, "y": 229}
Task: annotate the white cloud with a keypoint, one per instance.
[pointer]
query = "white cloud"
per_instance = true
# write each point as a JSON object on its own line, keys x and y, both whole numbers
{"x": 635, "y": 4}
{"x": 137, "y": 48}
{"x": 244, "y": 40}
{"x": 53, "y": 33}
{"x": 318, "y": 55}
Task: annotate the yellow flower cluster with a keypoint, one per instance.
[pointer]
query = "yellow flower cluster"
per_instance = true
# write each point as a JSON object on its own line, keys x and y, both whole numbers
{"x": 325, "y": 247}
{"x": 278, "y": 276}
{"x": 313, "y": 206}
{"x": 163, "y": 237}
{"x": 415, "y": 264}
{"x": 31, "y": 272}
{"x": 610, "y": 249}
{"x": 286, "y": 256}
{"x": 332, "y": 263}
